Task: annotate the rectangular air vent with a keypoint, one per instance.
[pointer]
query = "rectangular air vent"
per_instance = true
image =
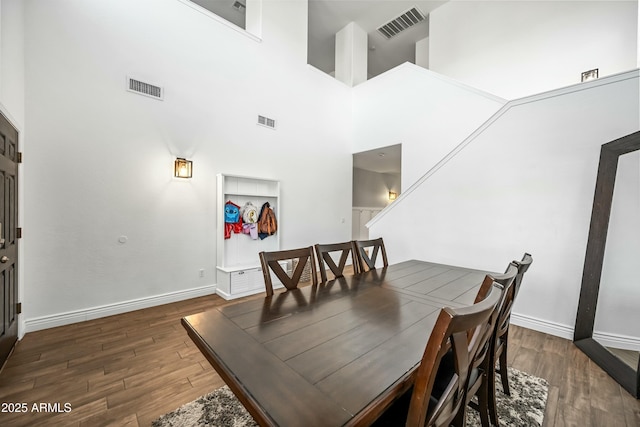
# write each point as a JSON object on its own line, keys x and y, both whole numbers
{"x": 266, "y": 121}
{"x": 143, "y": 88}
{"x": 401, "y": 23}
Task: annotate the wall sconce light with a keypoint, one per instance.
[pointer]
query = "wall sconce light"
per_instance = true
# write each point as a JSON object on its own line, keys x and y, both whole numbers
{"x": 590, "y": 75}
{"x": 392, "y": 195}
{"x": 183, "y": 168}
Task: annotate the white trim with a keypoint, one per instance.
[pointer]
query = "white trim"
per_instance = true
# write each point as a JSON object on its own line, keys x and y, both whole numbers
{"x": 61, "y": 319}
{"x": 551, "y": 328}
{"x": 628, "y": 75}
{"x": 577, "y": 87}
{"x": 435, "y": 75}
{"x": 220, "y": 19}
{"x": 606, "y": 339}
{"x": 623, "y": 342}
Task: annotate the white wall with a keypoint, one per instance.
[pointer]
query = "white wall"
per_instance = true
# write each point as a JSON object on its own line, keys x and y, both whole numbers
{"x": 100, "y": 158}
{"x": 351, "y": 54}
{"x": 617, "y": 314}
{"x": 12, "y": 60}
{"x": 518, "y": 48}
{"x": 526, "y": 183}
{"x": 12, "y": 100}
{"x": 422, "y": 53}
{"x": 371, "y": 189}
{"x": 427, "y": 113}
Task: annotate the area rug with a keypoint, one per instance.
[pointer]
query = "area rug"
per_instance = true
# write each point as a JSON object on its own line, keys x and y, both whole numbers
{"x": 220, "y": 408}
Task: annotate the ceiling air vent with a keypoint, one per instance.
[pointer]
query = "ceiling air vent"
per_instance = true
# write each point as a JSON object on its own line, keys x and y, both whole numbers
{"x": 401, "y": 23}
{"x": 143, "y": 88}
{"x": 266, "y": 121}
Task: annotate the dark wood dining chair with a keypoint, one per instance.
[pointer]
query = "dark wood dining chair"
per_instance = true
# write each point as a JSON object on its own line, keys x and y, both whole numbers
{"x": 438, "y": 396}
{"x": 367, "y": 262}
{"x": 504, "y": 320}
{"x": 269, "y": 261}
{"x": 324, "y": 252}
{"x": 482, "y": 376}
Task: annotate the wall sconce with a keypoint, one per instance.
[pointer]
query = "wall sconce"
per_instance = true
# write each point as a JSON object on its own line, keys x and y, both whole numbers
{"x": 392, "y": 195}
{"x": 183, "y": 168}
{"x": 589, "y": 75}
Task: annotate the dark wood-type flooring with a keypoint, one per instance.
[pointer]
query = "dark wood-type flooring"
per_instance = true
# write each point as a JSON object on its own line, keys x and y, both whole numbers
{"x": 129, "y": 369}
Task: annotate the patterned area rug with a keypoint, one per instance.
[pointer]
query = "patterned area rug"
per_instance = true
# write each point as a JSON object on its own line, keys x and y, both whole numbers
{"x": 525, "y": 407}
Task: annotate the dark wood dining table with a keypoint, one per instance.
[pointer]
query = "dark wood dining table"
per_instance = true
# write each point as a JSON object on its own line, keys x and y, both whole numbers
{"x": 335, "y": 354}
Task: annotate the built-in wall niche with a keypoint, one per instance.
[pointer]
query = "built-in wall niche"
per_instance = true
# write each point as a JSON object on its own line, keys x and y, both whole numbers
{"x": 238, "y": 265}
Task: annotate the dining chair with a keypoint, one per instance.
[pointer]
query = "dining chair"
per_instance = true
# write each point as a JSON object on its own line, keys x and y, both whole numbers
{"x": 504, "y": 320}
{"x": 269, "y": 261}
{"x": 482, "y": 377}
{"x": 438, "y": 396}
{"x": 324, "y": 252}
{"x": 369, "y": 261}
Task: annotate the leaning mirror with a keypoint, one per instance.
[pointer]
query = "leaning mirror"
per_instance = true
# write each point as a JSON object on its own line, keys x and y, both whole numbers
{"x": 605, "y": 328}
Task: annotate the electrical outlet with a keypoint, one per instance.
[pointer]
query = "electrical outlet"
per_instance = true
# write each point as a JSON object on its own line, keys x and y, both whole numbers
{"x": 201, "y": 272}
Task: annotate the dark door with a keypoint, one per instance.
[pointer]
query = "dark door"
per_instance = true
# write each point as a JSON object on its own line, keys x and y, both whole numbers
{"x": 8, "y": 238}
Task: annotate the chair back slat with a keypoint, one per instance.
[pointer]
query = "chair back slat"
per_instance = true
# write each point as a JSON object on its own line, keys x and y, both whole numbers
{"x": 450, "y": 338}
{"x": 323, "y": 252}
{"x": 270, "y": 262}
{"x": 483, "y": 361}
{"x": 523, "y": 266}
{"x": 501, "y": 336}
{"x": 367, "y": 262}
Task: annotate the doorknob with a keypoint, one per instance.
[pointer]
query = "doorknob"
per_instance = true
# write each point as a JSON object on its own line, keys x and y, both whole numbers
{"x": 4, "y": 259}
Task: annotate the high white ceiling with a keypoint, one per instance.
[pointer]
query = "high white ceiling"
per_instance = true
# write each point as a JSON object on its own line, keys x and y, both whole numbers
{"x": 327, "y": 17}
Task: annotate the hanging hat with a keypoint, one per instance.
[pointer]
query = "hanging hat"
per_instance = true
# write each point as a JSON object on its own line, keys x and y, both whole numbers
{"x": 249, "y": 213}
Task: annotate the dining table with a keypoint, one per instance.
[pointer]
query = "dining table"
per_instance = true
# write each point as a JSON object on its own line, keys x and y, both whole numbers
{"x": 333, "y": 354}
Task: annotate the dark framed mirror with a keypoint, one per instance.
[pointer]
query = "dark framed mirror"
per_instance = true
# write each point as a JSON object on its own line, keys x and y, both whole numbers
{"x": 626, "y": 374}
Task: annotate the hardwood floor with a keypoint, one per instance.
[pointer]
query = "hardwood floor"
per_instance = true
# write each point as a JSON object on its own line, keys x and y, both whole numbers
{"x": 129, "y": 369}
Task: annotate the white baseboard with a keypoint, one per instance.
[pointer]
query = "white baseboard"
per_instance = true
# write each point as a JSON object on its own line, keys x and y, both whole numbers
{"x": 46, "y": 322}
{"x": 623, "y": 342}
{"x": 545, "y": 326}
{"x": 52, "y": 321}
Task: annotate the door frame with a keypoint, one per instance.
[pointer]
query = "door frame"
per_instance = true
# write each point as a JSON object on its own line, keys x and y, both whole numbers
{"x": 20, "y": 194}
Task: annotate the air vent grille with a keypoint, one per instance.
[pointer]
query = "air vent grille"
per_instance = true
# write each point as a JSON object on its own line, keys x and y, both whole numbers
{"x": 143, "y": 88}
{"x": 401, "y": 23}
{"x": 266, "y": 121}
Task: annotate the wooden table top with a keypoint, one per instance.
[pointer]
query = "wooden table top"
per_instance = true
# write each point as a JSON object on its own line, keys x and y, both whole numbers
{"x": 333, "y": 354}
